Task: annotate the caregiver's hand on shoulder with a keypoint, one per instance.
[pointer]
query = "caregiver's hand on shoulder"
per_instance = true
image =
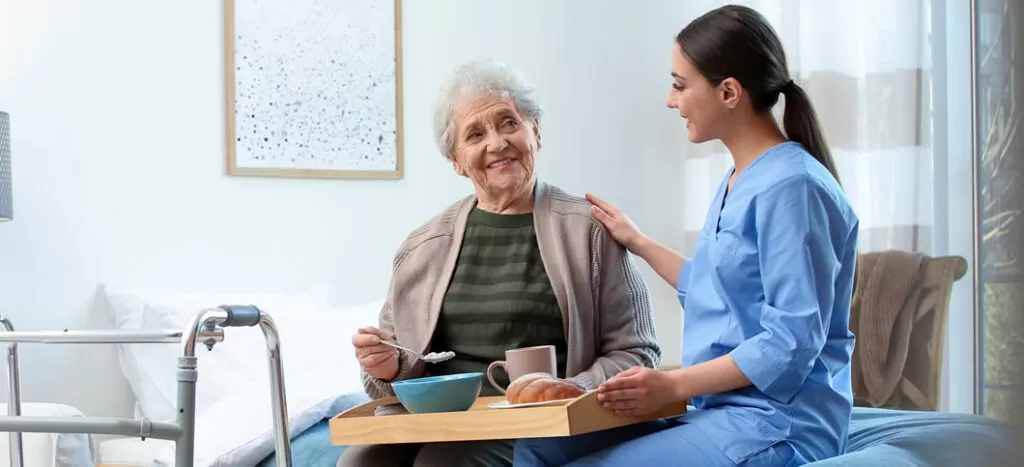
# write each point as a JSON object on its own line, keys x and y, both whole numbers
{"x": 617, "y": 222}
{"x": 379, "y": 360}
{"x": 637, "y": 391}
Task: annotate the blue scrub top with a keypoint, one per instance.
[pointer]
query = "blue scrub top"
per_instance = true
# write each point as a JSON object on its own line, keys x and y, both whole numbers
{"x": 770, "y": 283}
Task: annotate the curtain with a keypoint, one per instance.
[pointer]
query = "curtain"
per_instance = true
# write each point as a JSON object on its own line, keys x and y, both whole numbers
{"x": 866, "y": 66}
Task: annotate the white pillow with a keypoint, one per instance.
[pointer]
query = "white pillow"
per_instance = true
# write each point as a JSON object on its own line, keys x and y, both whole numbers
{"x": 233, "y": 410}
{"x": 150, "y": 368}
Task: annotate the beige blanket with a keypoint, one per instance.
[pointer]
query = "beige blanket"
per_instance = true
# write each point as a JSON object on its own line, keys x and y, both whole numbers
{"x": 882, "y": 318}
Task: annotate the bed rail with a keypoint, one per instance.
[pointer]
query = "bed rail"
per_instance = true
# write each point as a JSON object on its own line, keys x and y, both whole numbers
{"x": 205, "y": 328}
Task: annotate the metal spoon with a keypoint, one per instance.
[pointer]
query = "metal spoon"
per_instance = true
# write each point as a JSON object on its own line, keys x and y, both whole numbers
{"x": 432, "y": 357}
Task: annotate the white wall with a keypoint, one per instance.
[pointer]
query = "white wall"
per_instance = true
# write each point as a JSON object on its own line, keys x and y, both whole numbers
{"x": 117, "y": 114}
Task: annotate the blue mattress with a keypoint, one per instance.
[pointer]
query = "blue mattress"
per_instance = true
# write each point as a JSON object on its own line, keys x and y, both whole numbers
{"x": 893, "y": 438}
{"x": 878, "y": 437}
{"x": 312, "y": 447}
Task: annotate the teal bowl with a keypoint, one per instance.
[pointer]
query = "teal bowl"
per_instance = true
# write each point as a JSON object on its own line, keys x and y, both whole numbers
{"x": 431, "y": 394}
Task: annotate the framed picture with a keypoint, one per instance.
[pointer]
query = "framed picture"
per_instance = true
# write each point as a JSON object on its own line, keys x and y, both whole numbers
{"x": 314, "y": 88}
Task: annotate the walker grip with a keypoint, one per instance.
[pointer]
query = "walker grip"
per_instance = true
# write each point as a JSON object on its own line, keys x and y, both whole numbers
{"x": 241, "y": 315}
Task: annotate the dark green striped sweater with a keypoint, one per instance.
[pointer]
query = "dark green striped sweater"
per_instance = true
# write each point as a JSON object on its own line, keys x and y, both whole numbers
{"x": 499, "y": 298}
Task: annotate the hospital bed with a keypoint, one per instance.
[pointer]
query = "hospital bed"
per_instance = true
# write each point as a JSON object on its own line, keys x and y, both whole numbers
{"x": 234, "y": 427}
{"x": 204, "y": 329}
{"x": 878, "y": 437}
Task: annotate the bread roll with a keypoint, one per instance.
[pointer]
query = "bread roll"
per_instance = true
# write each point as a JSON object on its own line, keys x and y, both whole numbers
{"x": 512, "y": 394}
{"x": 541, "y": 387}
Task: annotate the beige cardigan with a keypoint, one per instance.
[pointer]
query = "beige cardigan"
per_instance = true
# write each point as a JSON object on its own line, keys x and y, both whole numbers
{"x": 605, "y": 302}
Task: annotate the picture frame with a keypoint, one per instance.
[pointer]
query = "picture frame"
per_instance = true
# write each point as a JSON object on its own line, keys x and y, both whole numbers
{"x": 300, "y": 102}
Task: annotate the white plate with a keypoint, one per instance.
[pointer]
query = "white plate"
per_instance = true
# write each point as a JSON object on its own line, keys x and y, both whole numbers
{"x": 505, "y": 405}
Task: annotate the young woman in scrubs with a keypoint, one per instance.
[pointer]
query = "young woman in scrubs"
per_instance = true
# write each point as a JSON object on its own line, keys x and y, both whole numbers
{"x": 766, "y": 343}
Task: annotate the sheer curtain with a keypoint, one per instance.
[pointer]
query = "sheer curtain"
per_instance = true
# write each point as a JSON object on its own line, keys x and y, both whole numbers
{"x": 866, "y": 67}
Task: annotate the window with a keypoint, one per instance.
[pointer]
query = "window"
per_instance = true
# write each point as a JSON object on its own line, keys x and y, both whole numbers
{"x": 1000, "y": 191}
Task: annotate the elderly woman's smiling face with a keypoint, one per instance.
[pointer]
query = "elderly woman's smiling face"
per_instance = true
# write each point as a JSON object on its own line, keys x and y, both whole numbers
{"x": 494, "y": 146}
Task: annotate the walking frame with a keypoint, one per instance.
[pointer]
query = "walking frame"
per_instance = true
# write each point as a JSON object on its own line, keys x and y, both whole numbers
{"x": 204, "y": 328}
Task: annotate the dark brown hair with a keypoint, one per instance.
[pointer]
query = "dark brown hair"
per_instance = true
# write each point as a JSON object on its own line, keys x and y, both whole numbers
{"x": 737, "y": 42}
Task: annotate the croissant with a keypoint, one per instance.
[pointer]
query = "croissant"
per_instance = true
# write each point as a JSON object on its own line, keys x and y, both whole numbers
{"x": 541, "y": 387}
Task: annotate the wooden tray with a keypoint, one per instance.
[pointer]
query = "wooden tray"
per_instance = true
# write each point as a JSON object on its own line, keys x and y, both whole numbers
{"x": 583, "y": 414}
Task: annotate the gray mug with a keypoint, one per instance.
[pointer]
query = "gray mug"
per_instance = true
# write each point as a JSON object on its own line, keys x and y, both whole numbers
{"x": 518, "y": 362}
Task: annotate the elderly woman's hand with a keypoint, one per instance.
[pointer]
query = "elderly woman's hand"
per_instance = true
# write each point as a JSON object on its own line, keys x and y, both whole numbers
{"x": 617, "y": 222}
{"x": 379, "y": 360}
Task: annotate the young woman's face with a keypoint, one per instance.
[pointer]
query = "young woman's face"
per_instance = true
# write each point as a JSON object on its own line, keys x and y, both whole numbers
{"x": 700, "y": 104}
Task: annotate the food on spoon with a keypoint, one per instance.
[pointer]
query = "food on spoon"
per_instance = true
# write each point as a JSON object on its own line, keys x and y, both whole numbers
{"x": 541, "y": 387}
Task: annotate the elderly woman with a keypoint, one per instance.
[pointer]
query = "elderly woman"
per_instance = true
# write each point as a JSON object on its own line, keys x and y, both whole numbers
{"x": 518, "y": 263}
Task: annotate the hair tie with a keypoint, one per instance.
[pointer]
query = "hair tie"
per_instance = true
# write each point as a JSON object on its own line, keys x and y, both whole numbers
{"x": 786, "y": 86}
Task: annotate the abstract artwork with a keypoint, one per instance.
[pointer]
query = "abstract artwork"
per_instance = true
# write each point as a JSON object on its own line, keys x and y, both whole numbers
{"x": 313, "y": 88}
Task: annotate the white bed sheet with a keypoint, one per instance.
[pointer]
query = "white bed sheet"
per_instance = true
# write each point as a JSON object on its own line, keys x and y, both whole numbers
{"x": 155, "y": 452}
{"x": 134, "y": 452}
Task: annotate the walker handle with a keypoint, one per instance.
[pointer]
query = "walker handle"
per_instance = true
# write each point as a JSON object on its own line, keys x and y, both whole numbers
{"x": 241, "y": 315}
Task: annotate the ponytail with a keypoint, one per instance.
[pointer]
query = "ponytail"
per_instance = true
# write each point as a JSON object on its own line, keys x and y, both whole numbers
{"x": 800, "y": 122}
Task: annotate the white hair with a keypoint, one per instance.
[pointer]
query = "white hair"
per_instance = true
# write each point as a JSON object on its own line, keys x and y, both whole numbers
{"x": 476, "y": 79}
